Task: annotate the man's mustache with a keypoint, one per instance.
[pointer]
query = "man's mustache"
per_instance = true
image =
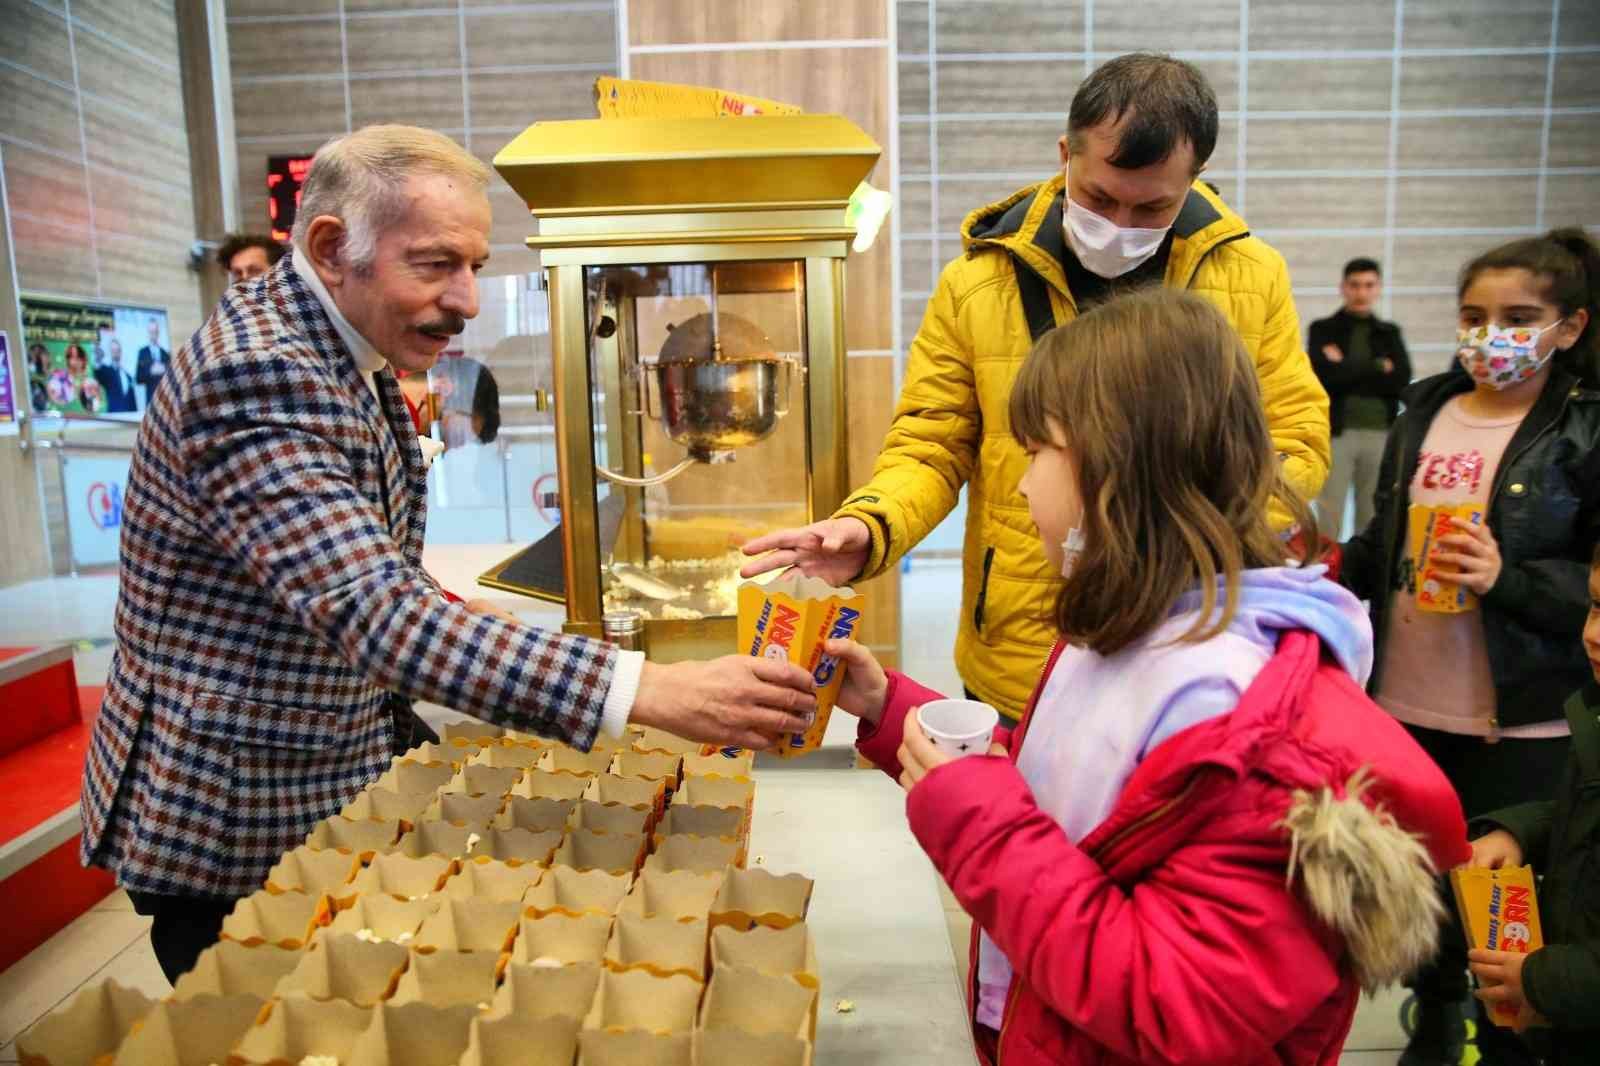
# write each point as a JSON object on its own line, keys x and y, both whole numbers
{"x": 451, "y": 325}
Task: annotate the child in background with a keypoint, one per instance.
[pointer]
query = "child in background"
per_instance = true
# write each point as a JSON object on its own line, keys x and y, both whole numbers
{"x": 1202, "y": 840}
{"x": 1513, "y": 431}
{"x": 1559, "y": 984}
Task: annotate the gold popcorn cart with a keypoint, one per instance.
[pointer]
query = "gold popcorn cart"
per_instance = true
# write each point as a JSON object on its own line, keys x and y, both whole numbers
{"x": 695, "y": 274}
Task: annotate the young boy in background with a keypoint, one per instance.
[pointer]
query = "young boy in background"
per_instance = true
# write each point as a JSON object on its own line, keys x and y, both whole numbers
{"x": 1559, "y": 984}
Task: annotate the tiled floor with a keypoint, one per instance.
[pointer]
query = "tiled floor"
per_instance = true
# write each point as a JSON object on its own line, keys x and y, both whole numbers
{"x": 108, "y": 942}
{"x": 111, "y": 941}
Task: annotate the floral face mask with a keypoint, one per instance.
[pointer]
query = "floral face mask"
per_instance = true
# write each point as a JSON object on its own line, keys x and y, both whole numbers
{"x": 1502, "y": 356}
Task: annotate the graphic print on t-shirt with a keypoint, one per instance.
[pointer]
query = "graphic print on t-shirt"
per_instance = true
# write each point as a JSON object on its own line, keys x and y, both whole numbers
{"x": 1435, "y": 666}
{"x": 1445, "y": 478}
{"x": 1447, "y": 472}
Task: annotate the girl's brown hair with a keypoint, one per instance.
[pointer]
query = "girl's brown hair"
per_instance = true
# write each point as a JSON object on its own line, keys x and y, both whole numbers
{"x": 1566, "y": 265}
{"x": 1160, "y": 409}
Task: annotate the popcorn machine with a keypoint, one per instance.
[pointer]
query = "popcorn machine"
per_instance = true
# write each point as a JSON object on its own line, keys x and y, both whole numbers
{"x": 695, "y": 275}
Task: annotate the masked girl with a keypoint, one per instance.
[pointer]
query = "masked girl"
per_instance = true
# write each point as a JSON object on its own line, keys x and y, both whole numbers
{"x": 1476, "y": 559}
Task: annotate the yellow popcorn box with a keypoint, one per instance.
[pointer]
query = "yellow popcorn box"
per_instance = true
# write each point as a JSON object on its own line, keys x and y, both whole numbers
{"x": 1437, "y": 591}
{"x": 790, "y": 618}
{"x": 627, "y": 98}
{"x": 1500, "y": 912}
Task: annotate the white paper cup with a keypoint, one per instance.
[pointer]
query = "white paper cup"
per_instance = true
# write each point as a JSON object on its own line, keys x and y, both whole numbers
{"x": 959, "y": 727}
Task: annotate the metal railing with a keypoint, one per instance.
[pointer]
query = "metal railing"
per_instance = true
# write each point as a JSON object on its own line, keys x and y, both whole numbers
{"x": 32, "y": 425}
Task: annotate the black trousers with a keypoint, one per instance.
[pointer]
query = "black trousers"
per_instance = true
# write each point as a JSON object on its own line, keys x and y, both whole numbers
{"x": 1486, "y": 777}
{"x": 181, "y": 927}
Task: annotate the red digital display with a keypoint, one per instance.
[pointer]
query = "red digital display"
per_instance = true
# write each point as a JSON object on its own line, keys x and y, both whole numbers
{"x": 285, "y": 175}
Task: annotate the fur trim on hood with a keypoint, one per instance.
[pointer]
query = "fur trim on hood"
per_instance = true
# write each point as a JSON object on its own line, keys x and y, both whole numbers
{"x": 1367, "y": 878}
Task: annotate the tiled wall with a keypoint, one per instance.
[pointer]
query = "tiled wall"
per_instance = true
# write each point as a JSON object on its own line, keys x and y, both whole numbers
{"x": 95, "y": 160}
{"x": 1415, "y": 131}
{"x": 827, "y": 56}
{"x": 95, "y": 152}
{"x": 304, "y": 71}
{"x": 308, "y": 70}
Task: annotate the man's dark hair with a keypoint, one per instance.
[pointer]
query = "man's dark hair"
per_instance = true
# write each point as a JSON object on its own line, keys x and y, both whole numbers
{"x": 238, "y": 242}
{"x": 1362, "y": 265}
{"x": 1165, "y": 102}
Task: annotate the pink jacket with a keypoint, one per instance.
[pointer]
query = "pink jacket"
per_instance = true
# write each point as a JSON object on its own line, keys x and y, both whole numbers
{"x": 1258, "y": 869}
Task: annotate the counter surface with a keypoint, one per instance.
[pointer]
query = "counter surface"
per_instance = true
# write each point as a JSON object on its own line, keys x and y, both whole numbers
{"x": 882, "y": 940}
{"x": 876, "y": 914}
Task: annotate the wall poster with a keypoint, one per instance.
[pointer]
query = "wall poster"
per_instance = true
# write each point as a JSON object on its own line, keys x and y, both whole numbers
{"x": 89, "y": 356}
{"x": 8, "y": 395}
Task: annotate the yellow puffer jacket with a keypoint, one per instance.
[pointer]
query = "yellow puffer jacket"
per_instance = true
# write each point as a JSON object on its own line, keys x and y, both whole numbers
{"x": 951, "y": 425}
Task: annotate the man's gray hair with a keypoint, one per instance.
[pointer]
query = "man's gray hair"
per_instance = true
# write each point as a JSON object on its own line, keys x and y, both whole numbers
{"x": 360, "y": 179}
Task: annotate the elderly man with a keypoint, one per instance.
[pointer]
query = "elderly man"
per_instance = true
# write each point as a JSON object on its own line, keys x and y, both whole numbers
{"x": 1127, "y": 209}
{"x": 272, "y": 607}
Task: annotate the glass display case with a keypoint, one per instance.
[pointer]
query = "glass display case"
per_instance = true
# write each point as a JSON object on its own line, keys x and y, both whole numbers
{"x": 694, "y": 270}
{"x": 696, "y": 368}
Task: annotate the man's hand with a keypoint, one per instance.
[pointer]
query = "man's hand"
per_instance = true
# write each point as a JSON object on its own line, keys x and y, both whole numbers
{"x": 834, "y": 550}
{"x": 1332, "y": 354}
{"x": 1499, "y": 975}
{"x": 737, "y": 700}
{"x": 1496, "y": 849}
{"x": 865, "y": 683}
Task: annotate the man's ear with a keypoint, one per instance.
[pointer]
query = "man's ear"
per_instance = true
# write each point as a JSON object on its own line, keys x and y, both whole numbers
{"x": 1062, "y": 149}
{"x": 324, "y": 247}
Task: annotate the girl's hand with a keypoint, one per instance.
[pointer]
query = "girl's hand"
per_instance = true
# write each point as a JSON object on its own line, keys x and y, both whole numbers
{"x": 917, "y": 754}
{"x": 1475, "y": 556}
{"x": 865, "y": 683}
{"x": 1499, "y": 975}
{"x": 1496, "y": 849}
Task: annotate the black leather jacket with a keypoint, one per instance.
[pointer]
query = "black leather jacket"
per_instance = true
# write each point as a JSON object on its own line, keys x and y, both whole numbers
{"x": 1544, "y": 510}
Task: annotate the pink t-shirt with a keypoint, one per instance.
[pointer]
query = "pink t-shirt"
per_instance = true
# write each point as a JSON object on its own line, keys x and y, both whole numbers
{"x": 1436, "y": 666}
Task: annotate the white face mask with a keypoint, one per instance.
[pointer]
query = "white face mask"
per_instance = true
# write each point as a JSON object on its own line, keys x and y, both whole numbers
{"x": 1105, "y": 248}
{"x": 1071, "y": 548}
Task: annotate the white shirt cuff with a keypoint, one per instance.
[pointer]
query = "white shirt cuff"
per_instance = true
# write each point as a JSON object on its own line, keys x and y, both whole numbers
{"x": 624, "y": 690}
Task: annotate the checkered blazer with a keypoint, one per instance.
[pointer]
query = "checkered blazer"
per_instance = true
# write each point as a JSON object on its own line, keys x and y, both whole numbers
{"x": 271, "y": 593}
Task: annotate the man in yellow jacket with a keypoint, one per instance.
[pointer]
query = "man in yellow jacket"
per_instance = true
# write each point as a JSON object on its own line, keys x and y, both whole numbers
{"x": 1126, "y": 210}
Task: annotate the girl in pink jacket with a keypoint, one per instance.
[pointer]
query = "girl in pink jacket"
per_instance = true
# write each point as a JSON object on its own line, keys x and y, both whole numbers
{"x": 1202, "y": 840}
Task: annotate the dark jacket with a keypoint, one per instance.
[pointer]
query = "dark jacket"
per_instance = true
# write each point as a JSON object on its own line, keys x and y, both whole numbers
{"x": 118, "y": 387}
{"x": 146, "y": 371}
{"x": 1544, "y": 510}
{"x": 1560, "y": 839}
{"x": 1341, "y": 379}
